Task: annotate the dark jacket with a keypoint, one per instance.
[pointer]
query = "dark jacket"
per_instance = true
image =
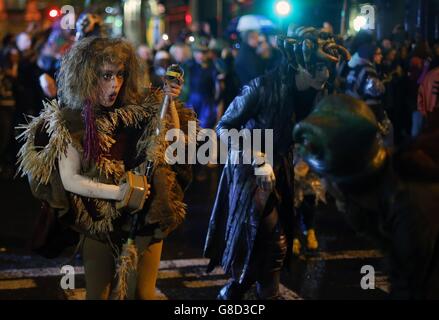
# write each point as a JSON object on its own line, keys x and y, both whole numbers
{"x": 363, "y": 83}
{"x": 248, "y": 64}
{"x": 268, "y": 102}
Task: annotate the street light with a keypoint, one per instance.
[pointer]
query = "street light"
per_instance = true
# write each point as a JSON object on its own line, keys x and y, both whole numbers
{"x": 53, "y": 13}
{"x": 359, "y": 23}
{"x": 283, "y": 8}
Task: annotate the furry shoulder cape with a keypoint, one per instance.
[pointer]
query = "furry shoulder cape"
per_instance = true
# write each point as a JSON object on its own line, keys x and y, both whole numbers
{"x": 47, "y": 136}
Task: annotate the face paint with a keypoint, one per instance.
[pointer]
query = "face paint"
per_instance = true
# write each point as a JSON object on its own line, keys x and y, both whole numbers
{"x": 111, "y": 78}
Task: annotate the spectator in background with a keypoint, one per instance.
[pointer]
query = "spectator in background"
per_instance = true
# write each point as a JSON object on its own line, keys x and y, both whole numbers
{"x": 364, "y": 83}
{"x": 327, "y": 27}
{"x": 29, "y": 96}
{"x": 386, "y": 44}
{"x": 418, "y": 66}
{"x": 435, "y": 59}
{"x": 227, "y": 81}
{"x": 248, "y": 64}
{"x": 378, "y": 62}
{"x": 145, "y": 54}
{"x": 8, "y": 40}
{"x": 9, "y": 60}
{"x": 200, "y": 87}
{"x": 49, "y": 60}
{"x": 393, "y": 79}
{"x": 180, "y": 52}
{"x": 23, "y": 42}
{"x": 162, "y": 61}
{"x": 399, "y": 36}
{"x": 206, "y": 31}
{"x": 146, "y": 57}
{"x": 231, "y": 80}
{"x": 428, "y": 94}
{"x": 271, "y": 57}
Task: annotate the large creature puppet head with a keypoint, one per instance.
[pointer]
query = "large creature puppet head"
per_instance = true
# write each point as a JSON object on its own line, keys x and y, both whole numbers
{"x": 311, "y": 54}
{"x": 340, "y": 140}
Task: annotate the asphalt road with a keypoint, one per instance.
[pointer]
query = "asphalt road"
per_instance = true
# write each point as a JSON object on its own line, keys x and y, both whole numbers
{"x": 333, "y": 272}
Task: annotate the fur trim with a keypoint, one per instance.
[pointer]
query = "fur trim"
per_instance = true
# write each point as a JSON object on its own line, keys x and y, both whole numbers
{"x": 35, "y": 161}
{"x": 127, "y": 263}
{"x": 39, "y": 162}
{"x": 130, "y": 116}
{"x": 104, "y": 222}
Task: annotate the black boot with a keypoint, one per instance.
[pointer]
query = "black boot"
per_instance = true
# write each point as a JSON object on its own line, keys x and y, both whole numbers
{"x": 268, "y": 288}
{"x": 275, "y": 249}
{"x": 231, "y": 291}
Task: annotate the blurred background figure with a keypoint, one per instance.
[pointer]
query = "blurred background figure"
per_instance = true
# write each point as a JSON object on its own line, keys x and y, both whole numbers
{"x": 180, "y": 52}
{"x": 418, "y": 67}
{"x": 146, "y": 57}
{"x": 327, "y": 27}
{"x": 28, "y": 91}
{"x": 200, "y": 88}
{"x": 227, "y": 81}
{"x": 162, "y": 61}
{"x": 89, "y": 25}
{"x": 428, "y": 98}
{"x": 364, "y": 82}
{"x": 249, "y": 64}
{"x": 271, "y": 56}
{"x": 9, "y": 59}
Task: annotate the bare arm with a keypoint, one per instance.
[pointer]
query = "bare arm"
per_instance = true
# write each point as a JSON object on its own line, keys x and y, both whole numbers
{"x": 69, "y": 169}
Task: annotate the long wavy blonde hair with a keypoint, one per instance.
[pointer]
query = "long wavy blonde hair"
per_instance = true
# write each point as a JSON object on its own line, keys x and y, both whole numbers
{"x": 79, "y": 73}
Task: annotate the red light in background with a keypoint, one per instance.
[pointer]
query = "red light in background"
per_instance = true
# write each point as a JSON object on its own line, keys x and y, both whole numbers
{"x": 188, "y": 18}
{"x": 53, "y": 13}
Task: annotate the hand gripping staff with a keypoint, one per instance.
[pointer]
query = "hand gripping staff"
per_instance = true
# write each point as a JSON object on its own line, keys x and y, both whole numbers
{"x": 138, "y": 190}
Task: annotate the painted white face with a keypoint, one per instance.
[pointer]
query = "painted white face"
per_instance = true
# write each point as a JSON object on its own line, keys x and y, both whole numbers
{"x": 111, "y": 78}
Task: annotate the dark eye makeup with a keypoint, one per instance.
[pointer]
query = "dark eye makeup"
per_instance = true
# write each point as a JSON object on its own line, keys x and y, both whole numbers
{"x": 108, "y": 75}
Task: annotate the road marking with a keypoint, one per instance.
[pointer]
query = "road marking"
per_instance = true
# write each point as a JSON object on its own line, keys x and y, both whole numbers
{"x": 183, "y": 263}
{"x": 344, "y": 255}
{"x": 79, "y": 294}
{"x": 169, "y": 274}
{"x": 382, "y": 283}
{"x": 35, "y": 273}
{"x": 17, "y": 284}
{"x": 75, "y": 294}
{"x": 204, "y": 283}
{"x": 175, "y": 269}
{"x": 55, "y": 271}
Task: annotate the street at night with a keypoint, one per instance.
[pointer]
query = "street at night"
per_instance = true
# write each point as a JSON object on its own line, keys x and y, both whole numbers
{"x": 219, "y": 150}
{"x": 331, "y": 273}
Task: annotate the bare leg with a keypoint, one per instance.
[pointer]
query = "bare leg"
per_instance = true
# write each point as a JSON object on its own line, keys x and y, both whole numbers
{"x": 148, "y": 268}
{"x": 99, "y": 269}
